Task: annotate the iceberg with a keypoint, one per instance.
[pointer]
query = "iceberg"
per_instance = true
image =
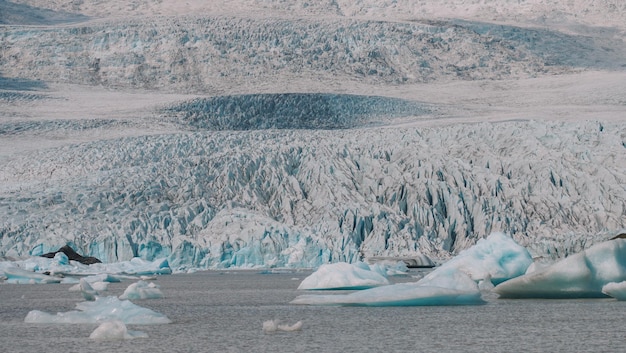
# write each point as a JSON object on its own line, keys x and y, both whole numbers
{"x": 343, "y": 275}
{"x": 142, "y": 290}
{"x": 615, "y": 290}
{"x": 582, "y": 275}
{"x": 496, "y": 258}
{"x": 271, "y": 326}
{"x": 20, "y": 276}
{"x": 115, "y": 330}
{"x": 102, "y": 309}
{"x": 456, "y": 282}
{"x": 456, "y": 288}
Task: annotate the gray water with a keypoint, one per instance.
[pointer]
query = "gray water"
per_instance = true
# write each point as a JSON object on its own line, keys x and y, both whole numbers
{"x": 225, "y": 311}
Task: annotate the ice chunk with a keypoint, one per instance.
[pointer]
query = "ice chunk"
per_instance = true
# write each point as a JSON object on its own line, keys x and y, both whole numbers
{"x": 497, "y": 257}
{"x": 275, "y": 325}
{"x": 114, "y": 330}
{"x": 582, "y": 275}
{"x": 87, "y": 290}
{"x": 142, "y": 290}
{"x": 18, "y": 275}
{"x": 102, "y": 309}
{"x": 342, "y": 275}
{"x": 455, "y": 288}
{"x": 615, "y": 290}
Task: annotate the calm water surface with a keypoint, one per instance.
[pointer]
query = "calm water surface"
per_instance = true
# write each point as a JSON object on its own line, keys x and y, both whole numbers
{"x": 225, "y": 311}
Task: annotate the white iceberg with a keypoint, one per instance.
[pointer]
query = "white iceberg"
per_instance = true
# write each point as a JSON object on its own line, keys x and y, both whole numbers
{"x": 615, "y": 290}
{"x": 102, "y": 309}
{"x": 582, "y": 275}
{"x": 456, "y": 288}
{"x": 275, "y": 325}
{"x": 20, "y": 276}
{"x": 497, "y": 258}
{"x": 115, "y": 330}
{"x": 142, "y": 290}
{"x": 343, "y": 275}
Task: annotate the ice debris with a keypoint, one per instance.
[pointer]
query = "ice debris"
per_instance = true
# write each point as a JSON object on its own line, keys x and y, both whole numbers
{"x": 582, "y": 275}
{"x": 115, "y": 330}
{"x": 142, "y": 290}
{"x": 60, "y": 270}
{"x": 275, "y": 325}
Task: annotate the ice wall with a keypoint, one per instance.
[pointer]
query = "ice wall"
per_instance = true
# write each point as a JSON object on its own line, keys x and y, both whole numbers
{"x": 304, "y": 198}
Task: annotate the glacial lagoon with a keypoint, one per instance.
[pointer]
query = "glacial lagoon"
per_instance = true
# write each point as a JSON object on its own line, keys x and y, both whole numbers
{"x": 224, "y": 311}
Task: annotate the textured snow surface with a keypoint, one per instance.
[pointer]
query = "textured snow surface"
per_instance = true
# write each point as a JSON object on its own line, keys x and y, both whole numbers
{"x": 142, "y": 290}
{"x": 271, "y": 133}
{"x": 578, "y": 276}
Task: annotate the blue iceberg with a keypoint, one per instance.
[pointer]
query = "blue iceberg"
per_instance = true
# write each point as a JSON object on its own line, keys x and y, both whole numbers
{"x": 582, "y": 275}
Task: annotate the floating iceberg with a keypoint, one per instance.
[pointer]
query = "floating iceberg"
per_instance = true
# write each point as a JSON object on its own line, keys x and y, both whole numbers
{"x": 342, "y": 275}
{"x": 102, "y": 309}
{"x": 582, "y": 275}
{"x": 142, "y": 290}
{"x": 615, "y": 290}
{"x": 455, "y": 288}
{"x": 275, "y": 325}
{"x": 115, "y": 330}
{"x": 18, "y": 275}
{"x": 497, "y": 258}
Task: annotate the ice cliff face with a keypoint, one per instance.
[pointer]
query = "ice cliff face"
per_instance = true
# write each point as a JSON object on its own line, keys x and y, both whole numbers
{"x": 302, "y": 198}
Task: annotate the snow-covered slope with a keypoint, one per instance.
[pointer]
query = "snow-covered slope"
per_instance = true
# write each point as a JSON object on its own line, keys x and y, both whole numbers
{"x": 270, "y": 133}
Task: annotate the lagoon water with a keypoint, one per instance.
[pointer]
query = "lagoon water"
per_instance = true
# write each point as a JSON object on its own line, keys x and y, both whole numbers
{"x": 224, "y": 312}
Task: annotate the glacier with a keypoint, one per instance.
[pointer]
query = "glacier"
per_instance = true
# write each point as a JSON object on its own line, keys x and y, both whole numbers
{"x": 99, "y": 310}
{"x": 273, "y": 134}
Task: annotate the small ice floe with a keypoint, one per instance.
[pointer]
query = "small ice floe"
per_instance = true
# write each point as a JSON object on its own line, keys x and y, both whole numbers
{"x": 114, "y": 330}
{"x": 142, "y": 290}
{"x": 101, "y": 309}
{"x": 275, "y": 325}
{"x": 615, "y": 290}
